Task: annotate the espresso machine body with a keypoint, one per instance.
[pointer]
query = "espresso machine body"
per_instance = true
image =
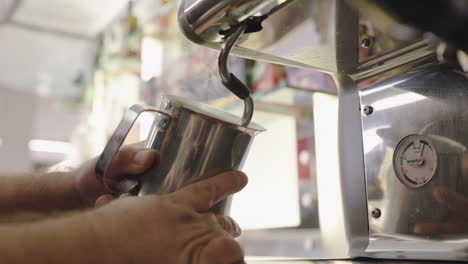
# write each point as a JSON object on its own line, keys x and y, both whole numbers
{"x": 417, "y": 211}
{"x": 394, "y": 183}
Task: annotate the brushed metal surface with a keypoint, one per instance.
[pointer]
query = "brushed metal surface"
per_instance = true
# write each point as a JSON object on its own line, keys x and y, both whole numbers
{"x": 198, "y": 142}
{"x": 340, "y": 173}
{"x": 429, "y": 222}
{"x": 319, "y": 34}
{"x": 195, "y": 141}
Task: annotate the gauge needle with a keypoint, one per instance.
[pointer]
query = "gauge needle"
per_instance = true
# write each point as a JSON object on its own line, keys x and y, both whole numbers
{"x": 422, "y": 151}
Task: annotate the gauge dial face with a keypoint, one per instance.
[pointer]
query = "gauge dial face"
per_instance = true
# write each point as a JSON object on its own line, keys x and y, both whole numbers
{"x": 415, "y": 161}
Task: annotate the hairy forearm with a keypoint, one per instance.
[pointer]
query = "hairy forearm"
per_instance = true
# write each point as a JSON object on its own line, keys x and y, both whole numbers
{"x": 38, "y": 192}
{"x": 67, "y": 239}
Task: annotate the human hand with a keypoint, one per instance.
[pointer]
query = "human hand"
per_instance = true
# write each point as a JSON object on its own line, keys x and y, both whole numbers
{"x": 173, "y": 228}
{"x": 128, "y": 161}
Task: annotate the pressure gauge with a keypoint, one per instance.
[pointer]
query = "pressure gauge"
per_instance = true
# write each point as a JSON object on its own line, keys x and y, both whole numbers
{"x": 415, "y": 161}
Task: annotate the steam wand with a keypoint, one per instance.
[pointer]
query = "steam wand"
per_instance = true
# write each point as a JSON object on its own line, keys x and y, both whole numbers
{"x": 229, "y": 80}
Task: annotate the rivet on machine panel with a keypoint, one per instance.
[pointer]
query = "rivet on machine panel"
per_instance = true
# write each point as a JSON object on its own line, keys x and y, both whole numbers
{"x": 376, "y": 213}
{"x": 368, "y": 110}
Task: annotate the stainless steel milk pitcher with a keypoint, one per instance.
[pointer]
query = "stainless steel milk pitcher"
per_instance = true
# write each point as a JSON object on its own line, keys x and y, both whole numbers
{"x": 195, "y": 141}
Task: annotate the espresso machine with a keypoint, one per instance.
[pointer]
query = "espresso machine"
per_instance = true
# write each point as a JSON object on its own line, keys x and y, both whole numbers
{"x": 393, "y": 181}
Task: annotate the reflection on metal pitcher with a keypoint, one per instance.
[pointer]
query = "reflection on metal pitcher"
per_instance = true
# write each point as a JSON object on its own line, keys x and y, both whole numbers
{"x": 196, "y": 141}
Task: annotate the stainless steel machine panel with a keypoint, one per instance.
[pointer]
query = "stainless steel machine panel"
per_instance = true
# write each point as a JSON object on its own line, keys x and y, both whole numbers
{"x": 319, "y": 34}
{"x": 415, "y": 135}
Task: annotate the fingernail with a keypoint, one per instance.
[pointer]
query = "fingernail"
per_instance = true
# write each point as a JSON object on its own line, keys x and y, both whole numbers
{"x": 238, "y": 229}
{"x": 241, "y": 179}
{"x": 143, "y": 156}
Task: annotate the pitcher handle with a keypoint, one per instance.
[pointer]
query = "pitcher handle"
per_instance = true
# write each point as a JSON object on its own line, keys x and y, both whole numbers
{"x": 114, "y": 144}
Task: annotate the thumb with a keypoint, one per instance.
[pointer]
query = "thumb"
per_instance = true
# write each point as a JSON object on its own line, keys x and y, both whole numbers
{"x": 202, "y": 195}
{"x": 103, "y": 200}
{"x": 222, "y": 250}
{"x": 130, "y": 161}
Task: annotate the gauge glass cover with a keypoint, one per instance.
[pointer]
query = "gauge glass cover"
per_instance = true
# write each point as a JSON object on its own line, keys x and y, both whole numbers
{"x": 415, "y": 161}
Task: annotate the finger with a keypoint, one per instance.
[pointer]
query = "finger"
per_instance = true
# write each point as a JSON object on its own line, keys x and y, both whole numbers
{"x": 203, "y": 194}
{"x": 222, "y": 250}
{"x": 103, "y": 200}
{"x": 229, "y": 225}
{"x": 225, "y": 223}
{"x": 452, "y": 200}
{"x": 130, "y": 161}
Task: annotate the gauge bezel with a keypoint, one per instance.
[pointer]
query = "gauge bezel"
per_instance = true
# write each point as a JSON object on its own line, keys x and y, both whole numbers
{"x": 403, "y": 144}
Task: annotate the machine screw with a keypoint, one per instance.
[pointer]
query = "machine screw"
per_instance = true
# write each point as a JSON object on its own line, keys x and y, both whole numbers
{"x": 368, "y": 110}
{"x": 376, "y": 213}
{"x": 365, "y": 43}
{"x": 163, "y": 123}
